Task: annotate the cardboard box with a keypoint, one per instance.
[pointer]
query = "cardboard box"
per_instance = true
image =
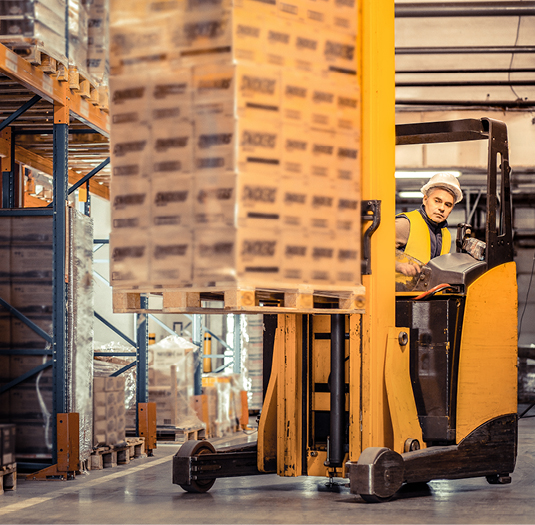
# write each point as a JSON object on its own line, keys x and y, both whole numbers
{"x": 129, "y": 100}
{"x": 231, "y": 255}
{"x": 207, "y": 29}
{"x": 171, "y": 97}
{"x": 171, "y": 256}
{"x": 31, "y": 230}
{"x": 322, "y": 270}
{"x": 214, "y": 200}
{"x": 295, "y": 256}
{"x": 20, "y": 364}
{"x": 339, "y": 52}
{"x": 322, "y": 109}
{"x": 171, "y": 202}
{"x": 215, "y": 144}
{"x": 31, "y": 262}
{"x": 130, "y": 153}
{"x": 129, "y": 258}
{"x": 322, "y": 158}
{"x": 30, "y": 402}
{"x": 322, "y": 214}
{"x": 137, "y": 43}
{"x": 348, "y": 108}
{"x": 279, "y": 41}
{"x": 317, "y": 13}
{"x": 348, "y": 261}
{"x": 307, "y": 48}
{"x": 347, "y": 164}
{"x": 258, "y": 201}
{"x": 295, "y": 95}
{"x": 348, "y": 210}
{"x": 131, "y": 206}
{"x": 248, "y": 35}
{"x": 294, "y": 10}
{"x": 295, "y": 206}
{"x": 296, "y": 148}
{"x": 5, "y": 230}
{"x": 172, "y": 148}
{"x": 23, "y": 336}
{"x": 344, "y": 17}
{"x": 32, "y": 297}
{"x": 259, "y": 147}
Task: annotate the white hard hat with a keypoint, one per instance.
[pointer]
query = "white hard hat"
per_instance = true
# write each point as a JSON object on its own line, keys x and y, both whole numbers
{"x": 445, "y": 180}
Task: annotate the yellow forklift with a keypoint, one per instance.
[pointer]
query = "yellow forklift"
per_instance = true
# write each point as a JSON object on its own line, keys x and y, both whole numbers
{"x": 422, "y": 384}
{"x": 449, "y": 370}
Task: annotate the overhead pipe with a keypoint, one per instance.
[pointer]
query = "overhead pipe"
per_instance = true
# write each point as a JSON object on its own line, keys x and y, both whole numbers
{"x": 462, "y": 71}
{"x": 464, "y": 9}
{"x": 468, "y": 83}
{"x": 464, "y": 50}
{"x": 502, "y": 104}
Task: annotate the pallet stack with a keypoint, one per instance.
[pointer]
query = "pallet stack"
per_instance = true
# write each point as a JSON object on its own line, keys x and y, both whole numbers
{"x": 235, "y": 145}
{"x": 108, "y": 411}
{"x": 70, "y": 43}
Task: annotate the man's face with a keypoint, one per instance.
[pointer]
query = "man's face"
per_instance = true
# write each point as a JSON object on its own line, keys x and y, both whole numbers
{"x": 438, "y": 204}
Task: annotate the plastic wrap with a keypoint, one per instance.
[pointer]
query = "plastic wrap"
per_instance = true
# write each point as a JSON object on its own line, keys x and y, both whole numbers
{"x": 223, "y": 394}
{"x": 31, "y": 22}
{"x": 171, "y": 376}
{"x": 80, "y": 326}
{"x": 98, "y": 65}
{"x": 252, "y": 333}
{"x": 105, "y": 366}
{"x": 78, "y": 28}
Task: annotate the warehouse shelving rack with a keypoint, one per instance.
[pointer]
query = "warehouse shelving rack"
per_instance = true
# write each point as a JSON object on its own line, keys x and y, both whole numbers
{"x": 40, "y": 113}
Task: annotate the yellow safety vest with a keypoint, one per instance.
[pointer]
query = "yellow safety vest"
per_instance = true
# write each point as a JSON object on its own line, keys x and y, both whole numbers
{"x": 419, "y": 242}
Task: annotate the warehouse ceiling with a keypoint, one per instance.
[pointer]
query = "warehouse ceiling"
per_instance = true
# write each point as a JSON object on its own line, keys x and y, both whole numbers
{"x": 465, "y": 54}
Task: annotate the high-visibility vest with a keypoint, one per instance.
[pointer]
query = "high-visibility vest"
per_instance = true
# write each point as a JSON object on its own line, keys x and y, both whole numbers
{"x": 419, "y": 242}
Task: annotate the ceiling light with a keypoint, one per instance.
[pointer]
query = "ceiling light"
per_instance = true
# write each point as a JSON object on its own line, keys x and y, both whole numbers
{"x": 410, "y": 195}
{"x": 422, "y": 174}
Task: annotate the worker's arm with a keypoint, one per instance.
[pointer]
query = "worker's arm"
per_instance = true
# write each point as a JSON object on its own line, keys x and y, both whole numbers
{"x": 402, "y": 236}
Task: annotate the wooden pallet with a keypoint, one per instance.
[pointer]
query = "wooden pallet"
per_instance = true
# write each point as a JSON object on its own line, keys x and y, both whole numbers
{"x": 8, "y": 477}
{"x": 170, "y": 433}
{"x": 113, "y": 455}
{"x": 245, "y": 299}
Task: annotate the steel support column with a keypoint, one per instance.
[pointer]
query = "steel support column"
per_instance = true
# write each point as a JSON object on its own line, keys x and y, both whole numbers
{"x": 197, "y": 339}
{"x": 59, "y": 330}
{"x": 142, "y": 376}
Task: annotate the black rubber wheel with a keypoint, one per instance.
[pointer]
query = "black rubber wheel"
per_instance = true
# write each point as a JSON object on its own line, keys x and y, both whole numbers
{"x": 499, "y": 479}
{"x": 196, "y": 448}
{"x": 372, "y": 498}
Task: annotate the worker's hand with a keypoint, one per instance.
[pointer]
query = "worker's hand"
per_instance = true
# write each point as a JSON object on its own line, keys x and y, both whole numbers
{"x": 408, "y": 269}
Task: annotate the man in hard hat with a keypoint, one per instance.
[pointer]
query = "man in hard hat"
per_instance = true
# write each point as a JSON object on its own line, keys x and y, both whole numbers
{"x": 423, "y": 234}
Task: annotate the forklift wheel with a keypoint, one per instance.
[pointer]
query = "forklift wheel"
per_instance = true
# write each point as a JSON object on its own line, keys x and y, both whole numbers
{"x": 499, "y": 479}
{"x": 379, "y": 474}
{"x": 196, "y": 448}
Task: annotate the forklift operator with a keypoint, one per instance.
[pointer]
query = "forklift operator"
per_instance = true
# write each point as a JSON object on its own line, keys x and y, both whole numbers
{"x": 423, "y": 234}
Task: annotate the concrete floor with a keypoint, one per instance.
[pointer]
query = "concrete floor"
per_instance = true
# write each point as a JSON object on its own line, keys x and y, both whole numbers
{"x": 142, "y": 492}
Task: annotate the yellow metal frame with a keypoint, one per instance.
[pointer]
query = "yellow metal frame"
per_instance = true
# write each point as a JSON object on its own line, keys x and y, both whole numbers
{"x": 378, "y": 182}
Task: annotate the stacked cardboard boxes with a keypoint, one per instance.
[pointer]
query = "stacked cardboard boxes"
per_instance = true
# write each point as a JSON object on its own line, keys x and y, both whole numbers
{"x": 26, "y": 284}
{"x": 235, "y": 143}
{"x": 108, "y": 410}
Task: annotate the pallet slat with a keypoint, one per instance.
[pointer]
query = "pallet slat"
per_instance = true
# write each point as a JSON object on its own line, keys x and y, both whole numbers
{"x": 113, "y": 455}
{"x": 8, "y": 477}
{"x": 245, "y": 300}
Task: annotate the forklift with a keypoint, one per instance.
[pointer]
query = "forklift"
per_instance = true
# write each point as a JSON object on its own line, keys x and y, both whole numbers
{"x": 440, "y": 401}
